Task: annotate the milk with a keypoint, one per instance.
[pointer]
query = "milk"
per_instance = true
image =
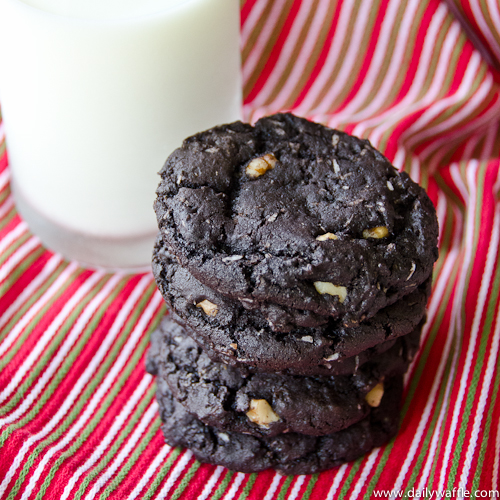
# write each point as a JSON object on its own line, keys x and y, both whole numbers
{"x": 95, "y": 95}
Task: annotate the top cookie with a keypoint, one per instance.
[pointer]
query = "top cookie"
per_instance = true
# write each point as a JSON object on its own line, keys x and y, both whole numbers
{"x": 294, "y": 213}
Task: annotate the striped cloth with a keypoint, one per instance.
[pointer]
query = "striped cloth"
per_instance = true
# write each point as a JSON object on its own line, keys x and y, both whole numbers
{"x": 78, "y": 418}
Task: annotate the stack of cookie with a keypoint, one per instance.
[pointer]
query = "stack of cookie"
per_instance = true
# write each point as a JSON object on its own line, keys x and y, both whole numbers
{"x": 296, "y": 264}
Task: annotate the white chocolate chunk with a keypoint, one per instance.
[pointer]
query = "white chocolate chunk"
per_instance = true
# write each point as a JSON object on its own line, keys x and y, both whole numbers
{"x": 412, "y": 270}
{"x": 307, "y": 338}
{"x": 332, "y": 357}
{"x": 209, "y": 308}
{"x": 327, "y": 236}
{"x": 232, "y": 258}
{"x": 336, "y": 166}
{"x": 324, "y": 287}
{"x": 376, "y": 232}
{"x": 261, "y": 413}
{"x": 374, "y": 397}
{"x": 259, "y": 166}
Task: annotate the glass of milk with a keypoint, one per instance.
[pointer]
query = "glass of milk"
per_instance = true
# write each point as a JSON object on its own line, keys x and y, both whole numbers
{"x": 95, "y": 94}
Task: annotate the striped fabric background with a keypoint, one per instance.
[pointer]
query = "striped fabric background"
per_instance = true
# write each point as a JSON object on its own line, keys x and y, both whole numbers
{"x": 78, "y": 418}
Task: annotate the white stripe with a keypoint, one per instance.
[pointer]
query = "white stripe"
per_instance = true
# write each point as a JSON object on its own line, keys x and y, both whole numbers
{"x": 211, "y": 483}
{"x": 368, "y": 466}
{"x": 37, "y": 306}
{"x": 441, "y": 211}
{"x": 17, "y": 257}
{"x": 252, "y": 20}
{"x": 139, "y": 429}
{"x": 461, "y": 292}
{"x": 377, "y": 61}
{"x": 430, "y": 455}
{"x": 9, "y": 238}
{"x": 108, "y": 438}
{"x": 337, "y": 479}
{"x": 299, "y": 481}
{"x": 176, "y": 472}
{"x": 486, "y": 380}
{"x": 493, "y": 9}
{"x": 472, "y": 104}
{"x": 273, "y": 486}
{"x": 62, "y": 352}
{"x": 483, "y": 27}
{"x": 410, "y": 102}
{"x": 486, "y": 281}
{"x": 496, "y": 462}
{"x": 461, "y": 94}
{"x": 47, "y": 336}
{"x": 443, "y": 145}
{"x": 103, "y": 388}
{"x": 426, "y": 413}
{"x": 6, "y": 206}
{"x": 28, "y": 292}
{"x": 155, "y": 464}
{"x": 291, "y": 54}
{"x": 4, "y": 176}
{"x": 81, "y": 383}
{"x": 238, "y": 479}
{"x": 339, "y": 37}
{"x": 262, "y": 41}
{"x": 98, "y": 451}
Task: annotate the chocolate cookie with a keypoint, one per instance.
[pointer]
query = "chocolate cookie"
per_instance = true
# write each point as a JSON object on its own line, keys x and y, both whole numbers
{"x": 293, "y": 213}
{"x": 228, "y": 398}
{"x": 288, "y": 453}
{"x": 242, "y": 337}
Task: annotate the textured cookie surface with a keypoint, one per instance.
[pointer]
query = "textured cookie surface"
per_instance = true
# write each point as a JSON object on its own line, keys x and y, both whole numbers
{"x": 288, "y": 453}
{"x": 263, "y": 404}
{"x": 248, "y": 337}
{"x": 293, "y": 213}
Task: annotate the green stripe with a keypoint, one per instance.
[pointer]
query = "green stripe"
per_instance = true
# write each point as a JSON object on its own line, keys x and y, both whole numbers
{"x": 7, "y": 219}
{"x": 284, "y": 488}
{"x": 359, "y": 61}
{"x": 4, "y": 193}
{"x": 32, "y": 299}
{"x": 347, "y": 482}
{"x": 185, "y": 480}
{"x": 414, "y": 382}
{"x": 312, "y": 481}
{"x": 223, "y": 486}
{"x": 485, "y": 334}
{"x": 98, "y": 466}
{"x": 32, "y": 324}
{"x": 69, "y": 361}
{"x": 161, "y": 475}
{"x": 49, "y": 351}
{"x": 125, "y": 468}
{"x": 486, "y": 429}
{"x": 440, "y": 401}
{"x": 78, "y": 406}
{"x": 445, "y": 243}
{"x": 20, "y": 269}
{"x": 246, "y": 490}
{"x": 14, "y": 246}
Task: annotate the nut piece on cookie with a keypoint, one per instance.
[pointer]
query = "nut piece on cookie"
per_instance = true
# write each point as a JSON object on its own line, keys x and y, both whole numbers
{"x": 374, "y": 397}
{"x": 376, "y": 232}
{"x": 259, "y": 166}
{"x": 209, "y": 308}
{"x": 327, "y": 236}
{"x": 324, "y": 287}
{"x": 261, "y": 413}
